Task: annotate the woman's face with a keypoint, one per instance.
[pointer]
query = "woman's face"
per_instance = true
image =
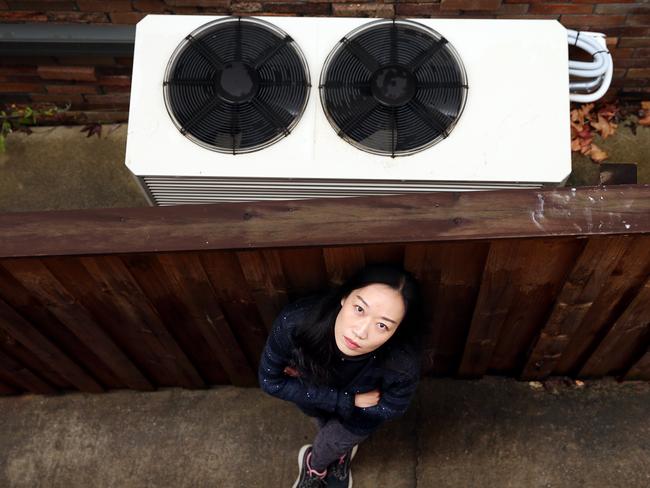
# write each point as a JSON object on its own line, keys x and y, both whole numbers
{"x": 369, "y": 316}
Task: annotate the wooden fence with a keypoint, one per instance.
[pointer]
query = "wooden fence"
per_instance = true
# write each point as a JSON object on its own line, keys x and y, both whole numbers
{"x": 518, "y": 282}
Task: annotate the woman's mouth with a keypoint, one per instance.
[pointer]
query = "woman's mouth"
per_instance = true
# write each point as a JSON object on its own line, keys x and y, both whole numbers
{"x": 351, "y": 344}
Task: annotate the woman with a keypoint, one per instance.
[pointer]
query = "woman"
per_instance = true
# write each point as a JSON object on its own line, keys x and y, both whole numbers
{"x": 351, "y": 359}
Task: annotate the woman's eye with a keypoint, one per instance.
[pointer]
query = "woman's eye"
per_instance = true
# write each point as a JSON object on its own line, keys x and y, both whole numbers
{"x": 358, "y": 308}
{"x": 382, "y": 326}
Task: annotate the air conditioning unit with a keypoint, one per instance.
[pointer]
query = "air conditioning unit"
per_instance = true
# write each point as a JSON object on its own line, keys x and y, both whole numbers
{"x": 245, "y": 109}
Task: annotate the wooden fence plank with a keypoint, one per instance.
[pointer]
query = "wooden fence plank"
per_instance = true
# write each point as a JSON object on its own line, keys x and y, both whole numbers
{"x": 191, "y": 284}
{"x": 159, "y": 288}
{"x": 21, "y": 354}
{"x": 34, "y": 312}
{"x": 455, "y": 272}
{"x": 263, "y": 273}
{"x": 304, "y": 271}
{"x": 6, "y": 389}
{"x": 384, "y": 253}
{"x": 537, "y": 273}
{"x": 492, "y": 307}
{"x": 342, "y": 262}
{"x": 622, "y": 341}
{"x": 418, "y": 261}
{"x": 586, "y": 280}
{"x": 625, "y": 279}
{"x": 641, "y": 369}
{"x": 23, "y": 377}
{"x": 420, "y": 217}
{"x": 229, "y": 285}
{"x": 23, "y": 331}
{"x": 35, "y": 277}
{"x": 134, "y": 314}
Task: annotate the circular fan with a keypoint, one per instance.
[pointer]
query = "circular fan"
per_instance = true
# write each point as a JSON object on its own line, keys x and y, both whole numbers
{"x": 236, "y": 85}
{"x": 393, "y": 87}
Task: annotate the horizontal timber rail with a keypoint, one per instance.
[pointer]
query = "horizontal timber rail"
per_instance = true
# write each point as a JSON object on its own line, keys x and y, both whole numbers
{"x": 443, "y": 216}
{"x": 523, "y": 283}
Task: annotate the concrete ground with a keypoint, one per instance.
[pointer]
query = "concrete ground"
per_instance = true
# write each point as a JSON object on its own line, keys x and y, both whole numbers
{"x": 61, "y": 168}
{"x": 490, "y": 433}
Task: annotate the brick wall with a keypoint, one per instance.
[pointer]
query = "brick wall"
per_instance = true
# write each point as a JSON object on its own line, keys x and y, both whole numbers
{"x": 102, "y": 83}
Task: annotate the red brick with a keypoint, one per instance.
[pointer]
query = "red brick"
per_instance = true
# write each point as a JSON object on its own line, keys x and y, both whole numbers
{"x": 105, "y": 5}
{"x": 560, "y": 8}
{"x": 22, "y": 17}
{"x": 21, "y": 87}
{"x": 124, "y": 61}
{"x": 625, "y": 31}
{"x": 621, "y": 8}
{"x": 363, "y": 10}
{"x": 584, "y": 21}
{"x": 528, "y": 16}
{"x": 115, "y": 80}
{"x": 634, "y": 42}
{"x": 626, "y": 52}
{"x": 126, "y": 17}
{"x": 604, "y": 1}
{"x": 302, "y": 8}
{"x": 470, "y": 4}
{"x": 18, "y": 71}
{"x": 642, "y": 53}
{"x": 198, "y": 3}
{"x": 638, "y": 73}
{"x": 631, "y": 63}
{"x": 3, "y": 5}
{"x": 245, "y": 7}
{"x": 513, "y": 9}
{"x": 57, "y": 98}
{"x": 417, "y": 9}
{"x": 110, "y": 100}
{"x": 151, "y": 6}
{"x": 72, "y": 89}
{"x": 77, "y": 17}
{"x": 81, "y": 73}
{"x": 42, "y": 6}
{"x": 638, "y": 20}
{"x": 87, "y": 60}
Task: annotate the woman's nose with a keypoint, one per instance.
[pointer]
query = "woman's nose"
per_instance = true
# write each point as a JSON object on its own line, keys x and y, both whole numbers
{"x": 361, "y": 330}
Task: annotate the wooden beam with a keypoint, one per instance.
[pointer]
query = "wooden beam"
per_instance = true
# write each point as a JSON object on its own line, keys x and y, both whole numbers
{"x": 442, "y": 216}
{"x": 641, "y": 369}
{"x": 586, "y": 280}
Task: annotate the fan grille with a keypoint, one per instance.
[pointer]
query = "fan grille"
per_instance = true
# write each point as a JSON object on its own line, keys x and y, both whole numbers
{"x": 236, "y": 85}
{"x": 393, "y": 87}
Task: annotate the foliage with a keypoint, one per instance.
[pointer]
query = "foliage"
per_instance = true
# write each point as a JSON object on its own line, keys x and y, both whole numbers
{"x": 20, "y": 119}
{"x": 587, "y": 120}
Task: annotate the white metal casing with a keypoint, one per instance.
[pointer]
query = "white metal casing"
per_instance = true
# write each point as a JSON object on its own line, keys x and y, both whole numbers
{"x": 512, "y": 133}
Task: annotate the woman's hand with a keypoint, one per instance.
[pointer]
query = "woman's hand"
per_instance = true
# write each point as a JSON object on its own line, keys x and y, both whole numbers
{"x": 293, "y": 372}
{"x": 367, "y": 399}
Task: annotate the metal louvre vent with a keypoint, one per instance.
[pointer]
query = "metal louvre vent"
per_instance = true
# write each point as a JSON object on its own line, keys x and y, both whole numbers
{"x": 170, "y": 190}
{"x": 393, "y": 88}
{"x": 236, "y": 85}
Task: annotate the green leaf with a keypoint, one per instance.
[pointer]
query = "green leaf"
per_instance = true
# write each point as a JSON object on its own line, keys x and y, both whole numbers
{"x": 2, "y": 143}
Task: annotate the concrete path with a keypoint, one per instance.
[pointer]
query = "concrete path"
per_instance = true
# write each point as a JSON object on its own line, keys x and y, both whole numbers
{"x": 490, "y": 433}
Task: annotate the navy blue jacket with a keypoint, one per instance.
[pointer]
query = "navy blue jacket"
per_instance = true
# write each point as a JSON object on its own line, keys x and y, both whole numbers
{"x": 394, "y": 370}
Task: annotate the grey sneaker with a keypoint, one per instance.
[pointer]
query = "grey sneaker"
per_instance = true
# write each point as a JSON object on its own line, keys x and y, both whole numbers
{"x": 338, "y": 473}
{"x": 308, "y": 477}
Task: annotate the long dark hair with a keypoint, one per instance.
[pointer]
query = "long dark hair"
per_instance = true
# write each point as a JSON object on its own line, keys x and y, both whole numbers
{"x": 314, "y": 338}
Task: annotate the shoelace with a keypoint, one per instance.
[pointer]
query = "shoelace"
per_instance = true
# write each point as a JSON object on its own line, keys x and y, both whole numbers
{"x": 339, "y": 470}
{"x": 314, "y": 478}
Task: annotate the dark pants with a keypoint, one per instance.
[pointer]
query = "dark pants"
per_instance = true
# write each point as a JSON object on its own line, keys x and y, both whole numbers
{"x": 332, "y": 441}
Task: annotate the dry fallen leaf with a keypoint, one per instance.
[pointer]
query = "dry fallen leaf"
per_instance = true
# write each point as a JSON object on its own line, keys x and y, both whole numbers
{"x": 597, "y": 154}
{"x": 645, "y": 105}
{"x": 604, "y": 127}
